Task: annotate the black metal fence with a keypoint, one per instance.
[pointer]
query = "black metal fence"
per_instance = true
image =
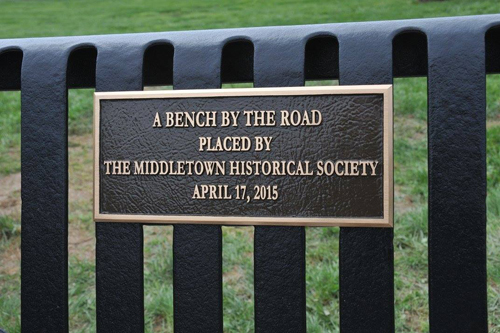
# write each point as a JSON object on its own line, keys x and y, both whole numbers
{"x": 454, "y": 53}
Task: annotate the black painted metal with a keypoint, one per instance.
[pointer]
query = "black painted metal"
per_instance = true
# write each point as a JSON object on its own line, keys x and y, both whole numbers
{"x": 457, "y": 181}
{"x": 456, "y": 67}
{"x": 44, "y": 181}
{"x": 119, "y": 246}
{"x": 197, "y": 248}
{"x": 366, "y": 255}
{"x": 279, "y": 252}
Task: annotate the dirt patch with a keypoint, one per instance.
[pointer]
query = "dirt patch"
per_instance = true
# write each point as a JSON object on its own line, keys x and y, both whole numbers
{"x": 154, "y": 232}
{"x": 11, "y": 259}
{"x": 492, "y": 123}
{"x": 80, "y": 168}
{"x": 81, "y": 243}
{"x": 410, "y": 128}
{"x": 234, "y": 274}
{"x": 10, "y": 197}
{"x": 402, "y": 202}
{"x": 81, "y": 240}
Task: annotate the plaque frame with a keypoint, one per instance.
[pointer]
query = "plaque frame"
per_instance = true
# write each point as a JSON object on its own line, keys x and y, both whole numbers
{"x": 388, "y": 172}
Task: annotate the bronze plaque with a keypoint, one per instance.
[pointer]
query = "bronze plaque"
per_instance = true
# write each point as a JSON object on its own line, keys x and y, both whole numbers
{"x": 309, "y": 156}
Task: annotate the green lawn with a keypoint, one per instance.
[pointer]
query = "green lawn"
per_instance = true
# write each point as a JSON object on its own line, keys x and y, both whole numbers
{"x": 56, "y": 18}
{"x": 51, "y": 18}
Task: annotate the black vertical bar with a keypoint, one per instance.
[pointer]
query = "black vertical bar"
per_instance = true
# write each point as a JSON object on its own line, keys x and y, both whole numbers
{"x": 119, "y": 246}
{"x": 366, "y": 254}
{"x": 457, "y": 181}
{"x": 279, "y": 258}
{"x": 44, "y": 183}
{"x": 197, "y": 248}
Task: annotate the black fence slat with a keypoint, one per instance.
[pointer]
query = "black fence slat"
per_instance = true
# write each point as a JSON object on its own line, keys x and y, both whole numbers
{"x": 197, "y": 278}
{"x": 366, "y": 254}
{"x": 119, "y": 246}
{"x": 279, "y": 252}
{"x": 44, "y": 181}
{"x": 197, "y": 248}
{"x": 457, "y": 181}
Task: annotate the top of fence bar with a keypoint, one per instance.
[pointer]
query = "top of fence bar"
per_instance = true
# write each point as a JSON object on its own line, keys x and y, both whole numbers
{"x": 254, "y": 34}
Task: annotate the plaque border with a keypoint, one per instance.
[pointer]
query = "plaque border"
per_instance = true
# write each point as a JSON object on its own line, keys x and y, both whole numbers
{"x": 388, "y": 185}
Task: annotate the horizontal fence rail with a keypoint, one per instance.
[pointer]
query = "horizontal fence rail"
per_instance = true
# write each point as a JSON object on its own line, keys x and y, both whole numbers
{"x": 454, "y": 53}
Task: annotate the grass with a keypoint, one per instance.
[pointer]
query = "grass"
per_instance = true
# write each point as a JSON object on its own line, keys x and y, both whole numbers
{"x": 410, "y": 225}
{"x": 54, "y": 18}
{"x": 50, "y": 18}
{"x": 10, "y": 126}
{"x": 158, "y": 278}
